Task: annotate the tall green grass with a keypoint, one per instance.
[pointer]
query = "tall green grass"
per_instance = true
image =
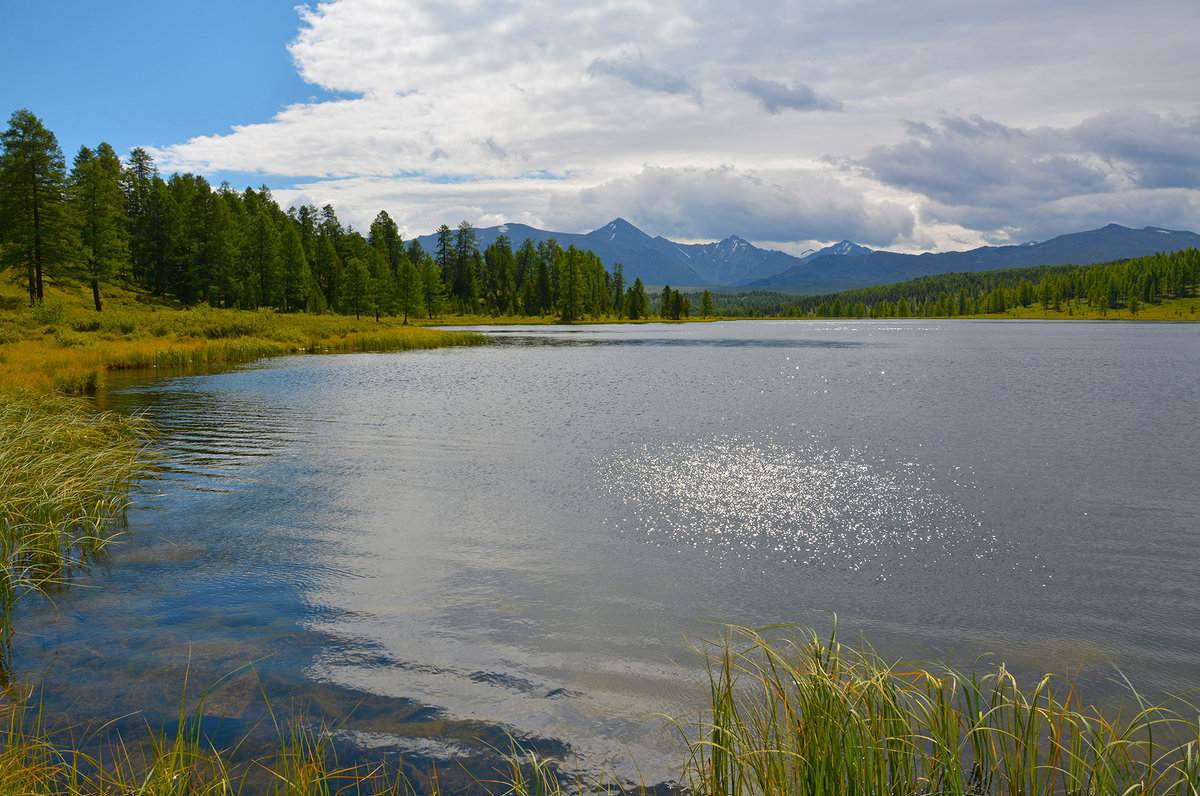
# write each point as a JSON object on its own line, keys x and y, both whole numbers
{"x": 65, "y": 476}
{"x": 793, "y": 714}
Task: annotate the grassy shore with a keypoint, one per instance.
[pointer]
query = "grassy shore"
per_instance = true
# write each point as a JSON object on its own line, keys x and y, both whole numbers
{"x": 1173, "y": 310}
{"x": 65, "y": 346}
{"x": 1170, "y": 310}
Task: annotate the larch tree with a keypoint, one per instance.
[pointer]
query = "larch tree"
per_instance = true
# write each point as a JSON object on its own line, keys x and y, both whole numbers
{"x": 35, "y": 215}
{"x": 138, "y": 180}
{"x": 99, "y": 214}
{"x": 618, "y": 290}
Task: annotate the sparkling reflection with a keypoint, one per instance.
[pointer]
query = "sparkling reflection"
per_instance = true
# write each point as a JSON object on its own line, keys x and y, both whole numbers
{"x": 800, "y": 504}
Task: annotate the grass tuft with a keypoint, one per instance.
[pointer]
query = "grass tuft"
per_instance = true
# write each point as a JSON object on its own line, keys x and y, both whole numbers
{"x": 793, "y": 714}
{"x": 65, "y": 476}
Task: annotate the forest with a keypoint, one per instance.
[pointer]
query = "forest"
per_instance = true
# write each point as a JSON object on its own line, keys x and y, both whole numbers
{"x": 181, "y": 239}
{"x": 1072, "y": 290}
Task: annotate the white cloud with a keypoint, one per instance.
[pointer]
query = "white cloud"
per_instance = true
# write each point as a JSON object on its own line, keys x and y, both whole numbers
{"x": 532, "y": 109}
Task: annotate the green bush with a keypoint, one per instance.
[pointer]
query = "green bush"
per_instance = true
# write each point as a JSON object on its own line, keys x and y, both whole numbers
{"x": 50, "y": 312}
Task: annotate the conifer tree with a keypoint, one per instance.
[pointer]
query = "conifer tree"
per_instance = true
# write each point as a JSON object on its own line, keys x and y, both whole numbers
{"x": 409, "y": 286}
{"x": 100, "y": 214}
{"x": 636, "y": 301}
{"x": 137, "y": 181}
{"x": 296, "y": 278}
{"x": 434, "y": 288}
{"x": 35, "y": 217}
{"x": 444, "y": 254}
{"x": 618, "y": 290}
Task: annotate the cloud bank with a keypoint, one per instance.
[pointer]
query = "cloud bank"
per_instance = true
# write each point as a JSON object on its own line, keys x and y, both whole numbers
{"x": 935, "y": 124}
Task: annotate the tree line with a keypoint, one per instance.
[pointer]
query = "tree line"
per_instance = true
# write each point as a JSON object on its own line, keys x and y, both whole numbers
{"x": 1124, "y": 284}
{"x": 180, "y": 238}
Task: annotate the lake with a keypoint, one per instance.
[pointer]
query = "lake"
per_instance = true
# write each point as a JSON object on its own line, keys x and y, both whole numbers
{"x": 528, "y": 537}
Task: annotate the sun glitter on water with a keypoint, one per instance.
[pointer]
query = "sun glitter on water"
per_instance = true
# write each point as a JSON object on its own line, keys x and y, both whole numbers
{"x": 802, "y": 504}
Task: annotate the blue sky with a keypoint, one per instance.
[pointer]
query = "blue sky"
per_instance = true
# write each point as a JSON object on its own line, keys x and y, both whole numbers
{"x": 150, "y": 74}
{"x": 927, "y": 125}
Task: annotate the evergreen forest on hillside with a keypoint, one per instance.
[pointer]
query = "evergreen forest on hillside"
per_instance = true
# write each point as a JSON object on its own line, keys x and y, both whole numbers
{"x": 1071, "y": 290}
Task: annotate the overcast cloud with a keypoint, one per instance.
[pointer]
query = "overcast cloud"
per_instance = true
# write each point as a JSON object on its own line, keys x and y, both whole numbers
{"x": 931, "y": 124}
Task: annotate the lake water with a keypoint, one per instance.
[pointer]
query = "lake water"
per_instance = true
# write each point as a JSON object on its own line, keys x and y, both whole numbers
{"x": 527, "y": 537}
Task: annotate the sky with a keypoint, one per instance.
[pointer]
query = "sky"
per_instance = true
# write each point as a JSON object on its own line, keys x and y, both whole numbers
{"x": 929, "y": 125}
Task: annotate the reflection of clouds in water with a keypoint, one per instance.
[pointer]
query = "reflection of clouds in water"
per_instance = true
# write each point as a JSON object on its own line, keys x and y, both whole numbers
{"x": 801, "y": 504}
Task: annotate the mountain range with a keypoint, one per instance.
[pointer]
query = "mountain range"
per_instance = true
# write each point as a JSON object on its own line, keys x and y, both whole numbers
{"x": 735, "y": 263}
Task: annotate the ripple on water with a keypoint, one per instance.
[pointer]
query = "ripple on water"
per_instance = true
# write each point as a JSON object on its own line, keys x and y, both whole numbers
{"x": 803, "y": 504}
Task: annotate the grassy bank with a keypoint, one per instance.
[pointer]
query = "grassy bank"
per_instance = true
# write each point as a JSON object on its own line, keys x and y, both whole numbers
{"x": 65, "y": 346}
{"x": 1176, "y": 310}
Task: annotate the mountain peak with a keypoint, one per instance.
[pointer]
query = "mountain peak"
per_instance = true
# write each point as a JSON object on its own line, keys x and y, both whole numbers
{"x": 618, "y": 229}
{"x": 733, "y": 242}
{"x": 845, "y": 248}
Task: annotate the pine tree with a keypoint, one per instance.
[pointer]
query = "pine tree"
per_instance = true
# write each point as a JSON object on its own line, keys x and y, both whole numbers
{"x": 444, "y": 254}
{"x": 409, "y": 291}
{"x": 435, "y": 289}
{"x": 465, "y": 286}
{"x": 261, "y": 246}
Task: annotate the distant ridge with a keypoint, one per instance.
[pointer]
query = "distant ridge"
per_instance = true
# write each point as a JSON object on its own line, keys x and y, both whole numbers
{"x": 824, "y": 273}
{"x": 736, "y": 263}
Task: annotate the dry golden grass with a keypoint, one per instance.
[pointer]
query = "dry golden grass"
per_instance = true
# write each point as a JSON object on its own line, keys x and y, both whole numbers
{"x": 66, "y": 346}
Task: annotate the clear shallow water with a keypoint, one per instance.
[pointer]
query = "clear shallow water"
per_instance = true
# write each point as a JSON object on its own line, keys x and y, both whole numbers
{"x": 524, "y": 535}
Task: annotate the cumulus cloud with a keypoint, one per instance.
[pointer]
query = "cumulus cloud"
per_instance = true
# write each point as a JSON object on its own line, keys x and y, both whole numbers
{"x": 573, "y": 111}
{"x": 776, "y": 96}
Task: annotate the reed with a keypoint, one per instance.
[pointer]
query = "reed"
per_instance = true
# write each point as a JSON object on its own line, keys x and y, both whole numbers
{"x": 65, "y": 476}
{"x": 790, "y": 713}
